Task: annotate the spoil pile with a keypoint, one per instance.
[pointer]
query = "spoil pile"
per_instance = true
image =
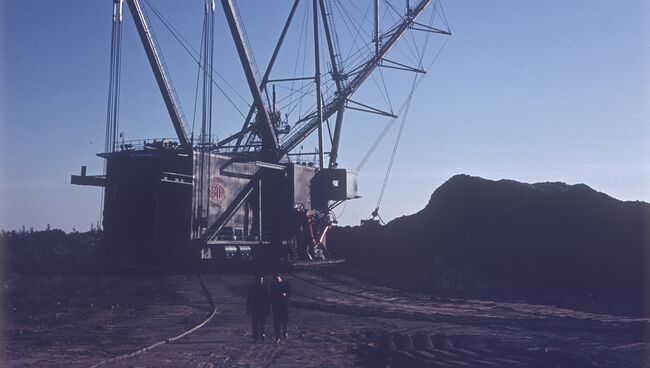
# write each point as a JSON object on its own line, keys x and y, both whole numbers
{"x": 534, "y": 237}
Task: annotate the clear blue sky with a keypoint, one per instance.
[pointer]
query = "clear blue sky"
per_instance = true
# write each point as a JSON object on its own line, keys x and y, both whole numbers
{"x": 526, "y": 90}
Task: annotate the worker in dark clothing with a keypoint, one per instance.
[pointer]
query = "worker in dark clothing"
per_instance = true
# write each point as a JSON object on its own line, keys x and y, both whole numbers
{"x": 280, "y": 293}
{"x": 257, "y": 306}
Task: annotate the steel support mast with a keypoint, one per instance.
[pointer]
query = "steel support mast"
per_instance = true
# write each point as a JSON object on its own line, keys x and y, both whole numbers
{"x": 267, "y": 131}
{"x": 392, "y": 36}
{"x": 376, "y": 39}
{"x": 265, "y": 78}
{"x": 159, "y": 71}
{"x": 319, "y": 102}
{"x": 337, "y": 75}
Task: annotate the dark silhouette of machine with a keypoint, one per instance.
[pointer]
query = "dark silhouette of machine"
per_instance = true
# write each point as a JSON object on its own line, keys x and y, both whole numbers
{"x": 248, "y": 197}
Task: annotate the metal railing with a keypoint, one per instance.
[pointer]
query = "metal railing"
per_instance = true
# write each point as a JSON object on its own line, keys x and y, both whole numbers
{"x": 153, "y": 143}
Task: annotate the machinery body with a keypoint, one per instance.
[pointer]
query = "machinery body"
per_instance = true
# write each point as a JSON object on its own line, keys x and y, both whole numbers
{"x": 248, "y": 198}
{"x": 156, "y": 212}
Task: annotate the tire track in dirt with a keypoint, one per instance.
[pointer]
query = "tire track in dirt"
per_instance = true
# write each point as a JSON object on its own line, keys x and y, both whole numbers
{"x": 244, "y": 353}
{"x": 363, "y": 299}
{"x": 171, "y": 339}
{"x": 337, "y": 321}
{"x": 420, "y": 350}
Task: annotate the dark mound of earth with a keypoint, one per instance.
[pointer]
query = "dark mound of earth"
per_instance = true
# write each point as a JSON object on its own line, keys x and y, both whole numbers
{"x": 543, "y": 237}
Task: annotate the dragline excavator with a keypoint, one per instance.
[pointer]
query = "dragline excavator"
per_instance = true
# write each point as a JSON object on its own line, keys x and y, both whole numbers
{"x": 248, "y": 197}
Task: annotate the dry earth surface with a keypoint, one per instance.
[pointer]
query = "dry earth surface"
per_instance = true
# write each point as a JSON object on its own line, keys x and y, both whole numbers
{"x": 336, "y": 320}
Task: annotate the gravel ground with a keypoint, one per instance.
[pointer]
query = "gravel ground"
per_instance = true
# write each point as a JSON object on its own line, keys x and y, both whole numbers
{"x": 336, "y": 320}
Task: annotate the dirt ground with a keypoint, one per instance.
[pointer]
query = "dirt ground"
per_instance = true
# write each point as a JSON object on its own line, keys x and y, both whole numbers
{"x": 336, "y": 320}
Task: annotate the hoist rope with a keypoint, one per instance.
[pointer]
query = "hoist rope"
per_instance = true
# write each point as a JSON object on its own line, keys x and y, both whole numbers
{"x": 113, "y": 103}
{"x": 403, "y": 112}
{"x": 397, "y": 140}
{"x": 193, "y": 54}
{"x": 198, "y": 79}
{"x": 390, "y": 123}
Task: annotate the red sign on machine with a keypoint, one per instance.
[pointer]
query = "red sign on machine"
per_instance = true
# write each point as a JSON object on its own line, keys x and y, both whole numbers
{"x": 216, "y": 192}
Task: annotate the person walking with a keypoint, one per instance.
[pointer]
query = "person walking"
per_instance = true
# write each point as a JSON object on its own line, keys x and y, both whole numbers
{"x": 280, "y": 293}
{"x": 257, "y": 307}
